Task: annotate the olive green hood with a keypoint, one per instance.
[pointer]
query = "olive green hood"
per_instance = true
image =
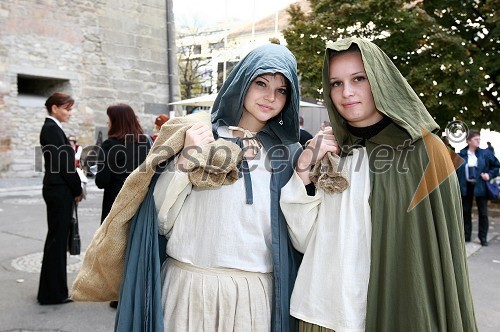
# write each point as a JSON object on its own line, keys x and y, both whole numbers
{"x": 393, "y": 96}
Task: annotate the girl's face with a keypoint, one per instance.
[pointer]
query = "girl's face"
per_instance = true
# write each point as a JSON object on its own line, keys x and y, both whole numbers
{"x": 264, "y": 99}
{"x": 61, "y": 113}
{"x": 350, "y": 90}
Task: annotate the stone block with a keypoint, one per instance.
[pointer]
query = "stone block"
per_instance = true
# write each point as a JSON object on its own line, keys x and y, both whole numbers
{"x": 155, "y": 108}
{"x": 127, "y": 85}
{"x": 119, "y": 37}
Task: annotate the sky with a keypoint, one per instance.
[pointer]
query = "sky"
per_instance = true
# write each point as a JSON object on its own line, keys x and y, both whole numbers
{"x": 209, "y": 13}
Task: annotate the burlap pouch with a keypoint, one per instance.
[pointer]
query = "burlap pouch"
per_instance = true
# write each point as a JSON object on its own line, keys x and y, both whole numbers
{"x": 330, "y": 174}
{"x": 215, "y": 166}
{"x": 100, "y": 277}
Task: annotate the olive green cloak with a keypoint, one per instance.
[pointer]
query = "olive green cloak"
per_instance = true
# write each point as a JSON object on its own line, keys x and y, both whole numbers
{"x": 418, "y": 275}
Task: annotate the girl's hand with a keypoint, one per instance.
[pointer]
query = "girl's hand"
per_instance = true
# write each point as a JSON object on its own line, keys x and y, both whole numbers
{"x": 198, "y": 135}
{"x": 485, "y": 176}
{"x": 324, "y": 141}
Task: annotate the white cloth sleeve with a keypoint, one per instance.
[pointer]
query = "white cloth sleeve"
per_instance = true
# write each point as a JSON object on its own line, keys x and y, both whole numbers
{"x": 300, "y": 210}
{"x": 170, "y": 192}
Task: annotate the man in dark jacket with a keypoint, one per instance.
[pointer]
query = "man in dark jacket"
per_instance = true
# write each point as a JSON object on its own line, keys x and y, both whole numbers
{"x": 61, "y": 188}
{"x": 479, "y": 166}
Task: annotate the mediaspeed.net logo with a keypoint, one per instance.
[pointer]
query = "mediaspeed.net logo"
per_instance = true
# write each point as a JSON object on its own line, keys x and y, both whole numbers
{"x": 439, "y": 169}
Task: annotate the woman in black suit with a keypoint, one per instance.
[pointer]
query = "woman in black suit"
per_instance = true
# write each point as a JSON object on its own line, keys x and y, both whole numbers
{"x": 61, "y": 188}
{"x": 125, "y": 149}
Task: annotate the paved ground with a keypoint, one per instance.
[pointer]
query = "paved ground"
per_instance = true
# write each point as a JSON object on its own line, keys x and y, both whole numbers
{"x": 22, "y": 234}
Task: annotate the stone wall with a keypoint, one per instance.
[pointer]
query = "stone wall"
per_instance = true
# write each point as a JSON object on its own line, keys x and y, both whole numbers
{"x": 101, "y": 52}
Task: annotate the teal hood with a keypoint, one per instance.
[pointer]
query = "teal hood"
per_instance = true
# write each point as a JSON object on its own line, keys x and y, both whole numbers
{"x": 228, "y": 106}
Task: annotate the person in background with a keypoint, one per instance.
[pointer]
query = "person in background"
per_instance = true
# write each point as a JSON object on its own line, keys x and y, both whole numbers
{"x": 479, "y": 166}
{"x": 61, "y": 189}
{"x": 88, "y": 158}
{"x": 324, "y": 124}
{"x": 304, "y": 134}
{"x": 159, "y": 121}
{"x": 76, "y": 147}
{"x": 123, "y": 151}
{"x": 446, "y": 142}
{"x": 387, "y": 253}
{"x": 490, "y": 148}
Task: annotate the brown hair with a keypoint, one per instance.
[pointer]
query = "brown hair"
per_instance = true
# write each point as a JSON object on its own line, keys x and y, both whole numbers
{"x": 354, "y": 48}
{"x": 161, "y": 119}
{"x": 124, "y": 123}
{"x": 472, "y": 134}
{"x": 59, "y": 99}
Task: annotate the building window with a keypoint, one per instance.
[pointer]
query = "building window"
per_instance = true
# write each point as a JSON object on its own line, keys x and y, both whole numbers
{"x": 196, "y": 49}
{"x": 206, "y": 89}
{"x": 217, "y": 46}
{"x": 220, "y": 72}
{"x": 40, "y": 86}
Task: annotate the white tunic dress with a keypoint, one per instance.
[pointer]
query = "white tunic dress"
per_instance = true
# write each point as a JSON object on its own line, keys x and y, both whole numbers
{"x": 219, "y": 274}
{"x": 334, "y": 232}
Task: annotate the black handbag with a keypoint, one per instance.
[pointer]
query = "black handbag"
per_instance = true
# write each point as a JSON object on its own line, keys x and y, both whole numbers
{"x": 74, "y": 234}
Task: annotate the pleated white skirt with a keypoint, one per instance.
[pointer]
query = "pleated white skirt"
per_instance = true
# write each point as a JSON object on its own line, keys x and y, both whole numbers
{"x": 198, "y": 299}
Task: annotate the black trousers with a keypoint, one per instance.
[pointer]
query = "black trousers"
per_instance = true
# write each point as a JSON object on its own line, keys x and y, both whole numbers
{"x": 482, "y": 207}
{"x": 53, "y": 287}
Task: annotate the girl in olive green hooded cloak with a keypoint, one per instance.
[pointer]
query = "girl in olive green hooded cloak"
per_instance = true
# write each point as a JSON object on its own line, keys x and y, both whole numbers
{"x": 386, "y": 254}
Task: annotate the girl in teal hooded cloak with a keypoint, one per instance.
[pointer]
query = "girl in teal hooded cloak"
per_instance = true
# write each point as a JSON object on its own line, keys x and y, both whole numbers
{"x": 386, "y": 254}
{"x": 231, "y": 265}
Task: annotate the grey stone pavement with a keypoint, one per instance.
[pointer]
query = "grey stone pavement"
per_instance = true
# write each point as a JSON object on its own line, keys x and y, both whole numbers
{"x": 23, "y": 228}
{"x": 22, "y": 234}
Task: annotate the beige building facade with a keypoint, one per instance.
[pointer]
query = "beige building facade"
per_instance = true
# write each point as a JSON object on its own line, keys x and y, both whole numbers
{"x": 100, "y": 52}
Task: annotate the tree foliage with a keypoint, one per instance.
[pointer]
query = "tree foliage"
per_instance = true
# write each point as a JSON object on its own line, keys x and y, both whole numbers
{"x": 191, "y": 65}
{"x": 448, "y": 50}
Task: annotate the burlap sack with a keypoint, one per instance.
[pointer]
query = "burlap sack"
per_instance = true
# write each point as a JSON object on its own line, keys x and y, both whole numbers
{"x": 330, "y": 174}
{"x": 216, "y": 165}
{"x": 100, "y": 277}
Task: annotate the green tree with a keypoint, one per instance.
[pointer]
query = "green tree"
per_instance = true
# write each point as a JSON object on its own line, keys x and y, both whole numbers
{"x": 448, "y": 50}
{"x": 192, "y": 63}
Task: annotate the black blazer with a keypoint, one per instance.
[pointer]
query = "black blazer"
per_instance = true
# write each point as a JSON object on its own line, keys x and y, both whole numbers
{"x": 304, "y": 137}
{"x": 59, "y": 158}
